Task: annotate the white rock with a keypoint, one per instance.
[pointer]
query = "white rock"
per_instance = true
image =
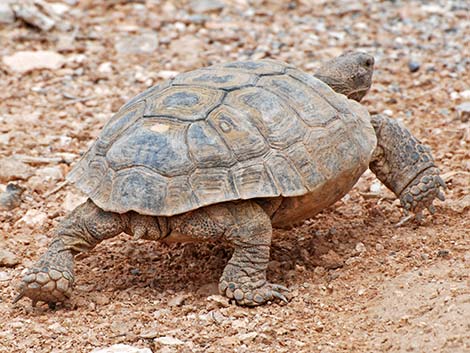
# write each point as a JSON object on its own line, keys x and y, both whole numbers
{"x": 167, "y": 74}
{"x": 375, "y": 187}
{"x": 247, "y": 337}
{"x": 50, "y": 173}
{"x": 105, "y": 68}
{"x": 8, "y": 259}
{"x": 121, "y": 348}
{"x": 465, "y": 94}
{"x": 203, "y": 6}
{"x": 360, "y": 248}
{"x": 7, "y": 15}
{"x": 4, "y": 276}
{"x": 34, "y": 218}
{"x": 464, "y": 111}
{"x": 12, "y": 168}
{"x": 24, "y": 61}
{"x": 168, "y": 341}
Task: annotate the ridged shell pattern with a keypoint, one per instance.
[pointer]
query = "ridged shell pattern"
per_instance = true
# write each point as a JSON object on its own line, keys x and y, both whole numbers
{"x": 227, "y": 132}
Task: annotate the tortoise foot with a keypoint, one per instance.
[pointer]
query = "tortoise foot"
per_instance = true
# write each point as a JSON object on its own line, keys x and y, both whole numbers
{"x": 253, "y": 294}
{"x": 51, "y": 279}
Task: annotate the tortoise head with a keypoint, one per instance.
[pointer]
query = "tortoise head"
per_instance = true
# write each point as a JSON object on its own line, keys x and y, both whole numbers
{"x": 349, "y": 74}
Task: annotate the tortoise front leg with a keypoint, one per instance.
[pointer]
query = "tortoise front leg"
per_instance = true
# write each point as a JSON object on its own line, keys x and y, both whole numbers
{"x": 247, "y": 227}
{"x": 51, "y": 279}
{"x": 405, "y": 166}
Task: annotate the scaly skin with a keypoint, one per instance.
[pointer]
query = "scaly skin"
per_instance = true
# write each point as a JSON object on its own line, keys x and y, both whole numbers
{"x": 405, "y": 166}
{"x": 244, "y": 224}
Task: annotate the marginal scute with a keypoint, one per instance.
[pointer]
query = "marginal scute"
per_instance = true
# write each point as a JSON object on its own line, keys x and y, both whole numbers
{"x": 179, "y": 196}
{"x": 186, "y": 103}
{"x": 305, "y": 164}
{"x": 222, "y": 79}
{"x": 285, "y": 175}
{"x": 162, "y": 151}
{"x": 238, "y": 132}
{"x": 213, "y": 185}
{"x": 253, "y": 180}
{"x": 273, "y": 117}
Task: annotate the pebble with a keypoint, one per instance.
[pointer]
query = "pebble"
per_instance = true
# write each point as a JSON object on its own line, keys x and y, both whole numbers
{"x": 121, "y": 348}
{"x": 169, "y": 341}
{"x": 50, "y": 173}
{"x": 247, "y": 337}
{"x": 4, "y": 276}
{"x": 34, "y": 218}
{"x": 30, "y": 13}
{"x": 11, "y": 198}
{"x": 219, "y": 300}
{"x": 13, "y": 169}
{"x": 464, "y": 111}
{"x": 413, "y": 66}
{"x": 204, "y": 6}
{"x": 25, "y": 61}
{"x": 7, "y": 16}
{"x": 360, "y": 248}
{"x": 8, "y": 259}
{"x": 145, "y": 43}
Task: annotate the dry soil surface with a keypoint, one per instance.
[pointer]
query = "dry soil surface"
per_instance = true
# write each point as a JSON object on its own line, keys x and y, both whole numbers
{"x": 359, "y": 283}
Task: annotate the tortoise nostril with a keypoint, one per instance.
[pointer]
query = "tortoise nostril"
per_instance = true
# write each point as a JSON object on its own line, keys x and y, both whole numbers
{"x": 369, "y": 62}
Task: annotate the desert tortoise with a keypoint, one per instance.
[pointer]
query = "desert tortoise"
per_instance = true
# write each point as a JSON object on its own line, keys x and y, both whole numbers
{"x": 229, "y": 152}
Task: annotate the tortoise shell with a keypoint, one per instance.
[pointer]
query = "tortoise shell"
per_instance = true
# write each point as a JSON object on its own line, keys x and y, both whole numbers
{"x": 240, "y": 130}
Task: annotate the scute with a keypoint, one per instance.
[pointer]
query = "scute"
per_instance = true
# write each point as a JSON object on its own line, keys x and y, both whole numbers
{"x": 156, "y": 144}
{"x": 187, "y": 103}
{"x": 222, "y": 79}
{"x": 231, "y": 131}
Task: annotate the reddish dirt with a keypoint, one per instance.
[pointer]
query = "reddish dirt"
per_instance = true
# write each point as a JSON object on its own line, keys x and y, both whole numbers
{"x": 359, "y": 283}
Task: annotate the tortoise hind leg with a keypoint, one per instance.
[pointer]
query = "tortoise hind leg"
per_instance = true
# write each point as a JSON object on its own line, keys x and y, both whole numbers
{"x": 51, "y": 279}
{"x": 248, "y": 229}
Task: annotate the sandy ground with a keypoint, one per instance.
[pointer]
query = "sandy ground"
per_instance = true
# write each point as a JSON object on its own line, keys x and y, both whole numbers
{"x": 359, "y": 283}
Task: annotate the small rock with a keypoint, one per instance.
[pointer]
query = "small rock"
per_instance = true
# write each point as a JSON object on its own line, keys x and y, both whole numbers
{"x": 168, "y": 341}
{"x": 4, "y": 276}
{"x": 177, "y": 301}
{"x": 50, "y": 173}
{"x": 57, "y": 328}
{"x": 332, "y": 260}
{"x": 105, "y": 68}
{"x": 11, "y": 198}
{"x": 24, "y": 61}
{"x": 7, "y": 16}
{"x": 121, "y": 348}
{"x": 376, "y": 187}
{"x": 247, "y": 337}
{"x": 8, "y": 259}
{"x": 204, "y": 6}
{"x": 150, "y": 333}
{"x": 464, "y": 111}
{"x": 443, "y": 253}
{"x": 145, "y": 43}
{"x": 30, "y": 13}
{"x": 34, "y": 218}
{"x": 13, "y": 168}
{"x": 379, "y": 247}
{"x": 413, "y": 66}
{"x": 360, "y": 248}
{"x": 121, "y": 328}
